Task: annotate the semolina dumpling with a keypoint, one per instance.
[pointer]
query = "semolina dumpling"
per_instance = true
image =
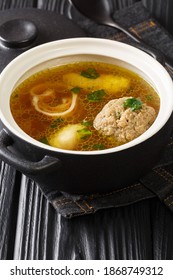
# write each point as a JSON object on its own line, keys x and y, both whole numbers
{"x": 67, "y": 137}
{"x": 110, "y": 83}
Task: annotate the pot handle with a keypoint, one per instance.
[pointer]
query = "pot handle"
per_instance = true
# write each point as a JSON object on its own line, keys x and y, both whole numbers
{"x": 44, "y": 166}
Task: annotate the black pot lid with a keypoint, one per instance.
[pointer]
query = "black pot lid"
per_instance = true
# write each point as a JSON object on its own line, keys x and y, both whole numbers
{"x": 22, "y": 29}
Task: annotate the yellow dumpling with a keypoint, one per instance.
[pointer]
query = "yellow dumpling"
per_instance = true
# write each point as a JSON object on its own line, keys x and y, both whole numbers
{"x": 109, "y": 83}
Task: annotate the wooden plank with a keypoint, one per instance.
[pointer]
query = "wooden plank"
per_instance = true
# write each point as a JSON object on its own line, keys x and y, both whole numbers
{"x": 62, "y": 5}
{"x": 109, "y": 234}
{"x": 9, "y": 189}
{"x": 12, "y": 4}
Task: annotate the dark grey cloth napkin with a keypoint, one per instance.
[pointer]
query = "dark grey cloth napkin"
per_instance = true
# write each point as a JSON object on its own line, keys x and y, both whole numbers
{"x": 159, "y": 182}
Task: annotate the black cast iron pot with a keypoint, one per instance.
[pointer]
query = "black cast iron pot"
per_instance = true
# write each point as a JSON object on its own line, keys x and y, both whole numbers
{"x": 84, "y": 172}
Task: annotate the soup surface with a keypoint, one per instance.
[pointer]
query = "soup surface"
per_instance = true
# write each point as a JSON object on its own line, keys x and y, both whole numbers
{"x": 84, "y": 106}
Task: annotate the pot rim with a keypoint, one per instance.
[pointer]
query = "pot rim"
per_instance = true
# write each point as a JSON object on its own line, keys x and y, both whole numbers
{"x": 152, "y": 69}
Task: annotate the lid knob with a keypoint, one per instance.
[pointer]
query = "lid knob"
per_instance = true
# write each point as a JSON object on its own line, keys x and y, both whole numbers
{"x": 17, "y": 33}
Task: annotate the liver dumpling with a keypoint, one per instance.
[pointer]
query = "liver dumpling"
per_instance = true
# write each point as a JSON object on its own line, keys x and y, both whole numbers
{"x": 124, "y": 123}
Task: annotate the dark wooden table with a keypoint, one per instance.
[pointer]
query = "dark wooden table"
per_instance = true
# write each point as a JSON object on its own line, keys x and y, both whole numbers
{"x": 31, "y": 229}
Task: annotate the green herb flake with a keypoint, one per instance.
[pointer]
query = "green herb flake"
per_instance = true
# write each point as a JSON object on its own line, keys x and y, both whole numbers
{"x": 117, "y": 115}
{"x": 16, "y": 95}
{"x": 98, "y": 146}
{"x": 44, "y": 140}
{"x": 130, "y": 89}
{"x": 90, "y": 73}
{"x": 133, "y": 103}
{"x": 56, "y": 122}
{"x": 76, "y": 90}
{"x": 96, "y": 96}
{"x": 86, "y": 123}
{"x": 84, "y": 133}
{"x": 149, "y": 97}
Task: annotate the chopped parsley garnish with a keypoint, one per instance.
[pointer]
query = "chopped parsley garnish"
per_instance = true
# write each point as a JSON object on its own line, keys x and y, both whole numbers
{"x": 86, "y": 123}
{"x": 56, "y": 122}
{"x": 96, "y": 96}
{"x": 149, "y": 97}
{"x": 90, "y": 73}
{"x": 117, "y": 115}
{"x": 44, "y": 140}
{"x": 16, "y": 95}
{"x": 84, "y": 133}
{"x": 133, "y": 103}
{"x": 76, "y": 89}
{"x": 98, "y": 147}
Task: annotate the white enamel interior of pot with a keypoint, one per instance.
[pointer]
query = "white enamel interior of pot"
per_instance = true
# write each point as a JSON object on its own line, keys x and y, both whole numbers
{"x": 71, "y": 50}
